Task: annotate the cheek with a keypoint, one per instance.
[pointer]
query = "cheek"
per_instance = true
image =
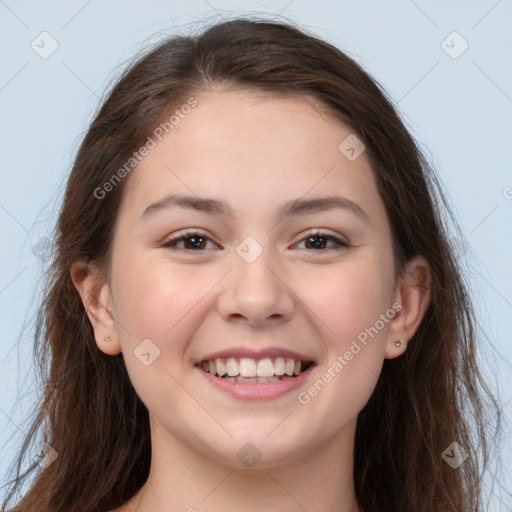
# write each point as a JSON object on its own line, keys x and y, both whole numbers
{"x": 350, "y": 303}
{"x": 349, "y": 299}
{"x": 153, "y": 300}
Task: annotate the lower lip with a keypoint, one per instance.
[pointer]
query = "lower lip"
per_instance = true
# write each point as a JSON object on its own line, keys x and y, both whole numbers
{"x": 257, "y": 391}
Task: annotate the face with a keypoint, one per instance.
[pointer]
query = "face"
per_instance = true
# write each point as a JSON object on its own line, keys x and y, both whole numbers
{"x": 288, "y": 267}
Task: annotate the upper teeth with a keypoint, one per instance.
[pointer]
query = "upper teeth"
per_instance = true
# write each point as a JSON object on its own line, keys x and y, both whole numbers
{"x": 247, "y": 367}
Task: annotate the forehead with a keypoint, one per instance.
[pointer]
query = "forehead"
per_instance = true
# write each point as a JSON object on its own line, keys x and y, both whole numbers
{"x": 246, "y": 145}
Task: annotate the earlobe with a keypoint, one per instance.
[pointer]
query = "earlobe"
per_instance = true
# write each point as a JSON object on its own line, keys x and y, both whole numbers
{"x": 413, "y": 292}
{"x": 96, "y": 297}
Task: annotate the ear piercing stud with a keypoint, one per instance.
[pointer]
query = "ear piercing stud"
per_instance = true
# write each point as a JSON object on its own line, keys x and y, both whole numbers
{"x": 399, "y": 343}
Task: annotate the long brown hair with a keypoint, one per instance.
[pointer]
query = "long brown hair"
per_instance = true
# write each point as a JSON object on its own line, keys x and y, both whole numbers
{"x": 424, "y": 400}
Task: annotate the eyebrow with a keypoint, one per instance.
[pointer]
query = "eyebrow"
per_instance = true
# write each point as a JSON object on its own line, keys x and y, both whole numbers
{"x": 291, "y": 208}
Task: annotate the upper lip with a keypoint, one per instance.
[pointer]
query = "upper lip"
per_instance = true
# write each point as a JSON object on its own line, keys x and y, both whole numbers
{"x": 239, "y": 352}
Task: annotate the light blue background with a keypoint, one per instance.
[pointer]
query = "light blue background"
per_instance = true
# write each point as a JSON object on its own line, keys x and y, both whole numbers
{"x": 458, "y": 109}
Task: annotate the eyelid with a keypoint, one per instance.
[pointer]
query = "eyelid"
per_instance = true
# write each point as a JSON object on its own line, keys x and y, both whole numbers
{"x": 340, "y": 241}
{"x": 186, "y": 233}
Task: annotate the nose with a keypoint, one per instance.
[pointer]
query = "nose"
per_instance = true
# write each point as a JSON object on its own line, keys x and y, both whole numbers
{"x": 256, "y": 293}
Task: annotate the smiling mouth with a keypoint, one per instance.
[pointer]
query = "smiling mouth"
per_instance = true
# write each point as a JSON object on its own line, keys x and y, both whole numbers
{"x": 252, "y": 371}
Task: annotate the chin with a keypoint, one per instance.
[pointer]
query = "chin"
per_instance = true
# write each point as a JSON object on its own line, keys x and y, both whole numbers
{"x": 256, "y": 449}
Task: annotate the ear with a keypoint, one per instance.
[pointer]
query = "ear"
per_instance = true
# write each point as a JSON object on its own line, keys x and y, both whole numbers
{"x": 96, "y": 297}
{"x": 413, "y": 292}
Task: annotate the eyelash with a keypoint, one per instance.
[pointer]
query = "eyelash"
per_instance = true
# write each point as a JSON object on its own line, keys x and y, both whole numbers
{"x": 172, "y": 243}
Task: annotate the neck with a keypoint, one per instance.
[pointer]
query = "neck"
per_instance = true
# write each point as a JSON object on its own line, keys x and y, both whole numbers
{"x": 182, "y": 479}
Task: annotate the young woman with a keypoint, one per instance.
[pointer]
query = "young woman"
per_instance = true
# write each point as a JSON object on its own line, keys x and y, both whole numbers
{"x": 253, "y": 304}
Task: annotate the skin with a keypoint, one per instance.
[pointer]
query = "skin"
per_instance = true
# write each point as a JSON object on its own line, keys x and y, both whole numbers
{"x": 254, "y": 152}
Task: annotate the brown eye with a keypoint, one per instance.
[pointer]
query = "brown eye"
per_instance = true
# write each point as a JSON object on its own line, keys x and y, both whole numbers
{"x": 319, "y": 241}
{"x": 193, "y": 242}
